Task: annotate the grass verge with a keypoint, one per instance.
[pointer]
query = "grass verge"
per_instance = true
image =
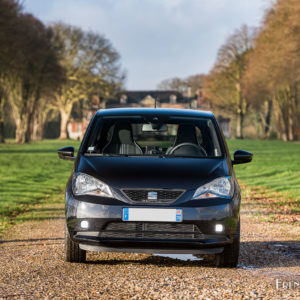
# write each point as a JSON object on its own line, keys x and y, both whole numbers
{"x": 31, "y": 174}
{"x": 273, "y": 176}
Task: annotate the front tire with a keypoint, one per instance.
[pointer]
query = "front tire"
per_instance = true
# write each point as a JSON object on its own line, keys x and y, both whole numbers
{"x": 229, "y": 257}
{"x": 72, "y": 251}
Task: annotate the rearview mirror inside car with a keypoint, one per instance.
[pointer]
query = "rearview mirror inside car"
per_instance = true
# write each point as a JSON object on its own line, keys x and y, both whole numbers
{"x": 159, "y": 127}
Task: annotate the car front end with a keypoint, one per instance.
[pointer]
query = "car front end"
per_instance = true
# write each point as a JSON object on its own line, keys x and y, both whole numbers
{"x": 152, "y": 219}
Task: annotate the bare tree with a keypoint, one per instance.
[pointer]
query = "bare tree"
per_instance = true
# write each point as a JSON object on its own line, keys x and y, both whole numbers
{"x": 173, "y": 84}
{"x": 57, "y": 66}
{"x": 9, "y": 12}
{"x": 91, "y": 64}
{"x": 36, "y": 71}
{"x": 225, "y": 84}
{"x": 187, "y": 86}
{"x": 29, "y": 66}
{"x": 273, "y": 76}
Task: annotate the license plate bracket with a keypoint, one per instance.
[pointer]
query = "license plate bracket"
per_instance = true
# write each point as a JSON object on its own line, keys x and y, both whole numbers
{"x": 152, "y": 214}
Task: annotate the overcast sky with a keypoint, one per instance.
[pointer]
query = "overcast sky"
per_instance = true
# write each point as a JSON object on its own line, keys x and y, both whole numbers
{"x": 157, "y": 39}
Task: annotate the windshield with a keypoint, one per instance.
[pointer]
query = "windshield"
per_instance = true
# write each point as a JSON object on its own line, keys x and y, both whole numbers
{"x": 165, "y": 136}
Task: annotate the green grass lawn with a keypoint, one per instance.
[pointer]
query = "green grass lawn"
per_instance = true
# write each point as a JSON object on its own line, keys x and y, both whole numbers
{"x": 275, "y": 165}
{"x": 32, "y": 174}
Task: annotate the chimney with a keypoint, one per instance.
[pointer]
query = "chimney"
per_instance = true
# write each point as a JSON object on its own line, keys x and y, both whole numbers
{"x": 123, "y": 99}
{"x": 173, "y": 99}
{"x": 189, "y": 92}
{"x": 200, "y": 97}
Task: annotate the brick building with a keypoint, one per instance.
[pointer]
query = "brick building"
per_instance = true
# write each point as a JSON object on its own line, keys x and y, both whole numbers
{"x": 162, "y": 99}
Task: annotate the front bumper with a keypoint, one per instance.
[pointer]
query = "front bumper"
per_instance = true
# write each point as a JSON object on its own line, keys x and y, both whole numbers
{"x": 203, "y": 218}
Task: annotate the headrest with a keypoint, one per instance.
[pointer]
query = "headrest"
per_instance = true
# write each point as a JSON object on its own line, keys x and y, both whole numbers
{"x": 186, "y": 133}
{"x": 122, "y": 133}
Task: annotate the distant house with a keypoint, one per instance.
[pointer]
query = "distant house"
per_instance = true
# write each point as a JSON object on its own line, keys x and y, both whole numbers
{"x": 172, "y": 99}
{"x": 149, "y": 98}
{"x": 168, "y": 99}
{"x": 75, "y": 130}
{"x": 77, "y": 127}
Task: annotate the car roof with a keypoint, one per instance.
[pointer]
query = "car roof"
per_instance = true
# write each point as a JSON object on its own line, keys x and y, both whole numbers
{"x": 154, "y": 111}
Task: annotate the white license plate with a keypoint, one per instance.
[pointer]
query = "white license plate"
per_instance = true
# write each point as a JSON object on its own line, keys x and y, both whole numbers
{"x": 152, "y": 214}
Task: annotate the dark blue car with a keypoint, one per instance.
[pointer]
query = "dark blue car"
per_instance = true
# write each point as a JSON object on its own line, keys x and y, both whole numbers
{"x": 153, "y": 181}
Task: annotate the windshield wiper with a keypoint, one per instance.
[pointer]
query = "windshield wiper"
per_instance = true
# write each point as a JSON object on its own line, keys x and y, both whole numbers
{"x": 184, "y": 156}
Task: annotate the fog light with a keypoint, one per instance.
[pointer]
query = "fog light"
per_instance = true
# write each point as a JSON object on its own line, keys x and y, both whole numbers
{"x": 84, "y": 224}
{"x": 219, "y": 228}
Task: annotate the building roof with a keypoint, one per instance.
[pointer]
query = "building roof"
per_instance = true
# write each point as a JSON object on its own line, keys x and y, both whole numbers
{"x": 135, "y": 97}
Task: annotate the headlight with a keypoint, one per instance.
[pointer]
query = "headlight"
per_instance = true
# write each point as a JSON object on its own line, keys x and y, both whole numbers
{"x": 220, "y": 187}
{"x": 83, "y": 184}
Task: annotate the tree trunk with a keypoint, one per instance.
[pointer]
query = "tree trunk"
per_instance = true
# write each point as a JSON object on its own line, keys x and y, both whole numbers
{"x": 240, "y": 119}
{"x": 238, "y": 124}
{"x": 20, "y": 131}
{"x": 290, "y": 123}
{"x": 278, "y": 119}
{"x": 265, "y": 118}
{"x": 38, "y": 126}
{"x": 29, "y": 127}
{"x": 1, "y": 118}
{"x": 285, "y": 119}
{"x": 31, "y": 114}
{"x": 241, "y": 125}
{"x": 268, "y": 118}
{"x": 2, "y": 132}
{"x": 64, "y": 121}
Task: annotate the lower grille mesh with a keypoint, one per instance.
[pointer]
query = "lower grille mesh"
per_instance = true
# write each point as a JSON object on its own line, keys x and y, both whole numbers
{"x": 151, "y": 230}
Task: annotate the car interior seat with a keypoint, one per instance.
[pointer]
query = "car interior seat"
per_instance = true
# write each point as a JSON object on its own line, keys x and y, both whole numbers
{"x": 122, "y": 141}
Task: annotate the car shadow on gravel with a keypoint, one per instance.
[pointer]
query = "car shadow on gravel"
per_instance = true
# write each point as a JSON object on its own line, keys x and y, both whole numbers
{"x": 253, "y": 255}
{"x": 152, "y": 260}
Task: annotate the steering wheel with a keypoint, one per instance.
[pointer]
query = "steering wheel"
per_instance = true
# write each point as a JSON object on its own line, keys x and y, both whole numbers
{"x": 198, "y": 147}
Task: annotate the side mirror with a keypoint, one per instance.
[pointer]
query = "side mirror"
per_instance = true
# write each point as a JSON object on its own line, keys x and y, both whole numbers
{"x": 241, "y": 157}
{"x": 66, "y": 153}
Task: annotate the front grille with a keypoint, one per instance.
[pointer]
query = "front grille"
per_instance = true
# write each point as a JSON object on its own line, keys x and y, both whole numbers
{"x": 163, "y": 196}
{"x": 151, "y": 230}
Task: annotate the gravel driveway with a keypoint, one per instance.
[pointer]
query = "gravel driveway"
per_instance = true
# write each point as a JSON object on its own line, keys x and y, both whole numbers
{"x": 32, "y": 267}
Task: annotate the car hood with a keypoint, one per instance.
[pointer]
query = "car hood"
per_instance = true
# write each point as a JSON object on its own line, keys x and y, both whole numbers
{"x": 153, "y": 172}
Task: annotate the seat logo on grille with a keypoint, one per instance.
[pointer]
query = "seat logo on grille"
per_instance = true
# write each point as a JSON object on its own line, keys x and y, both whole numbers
{"x": 152, "y": 195}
